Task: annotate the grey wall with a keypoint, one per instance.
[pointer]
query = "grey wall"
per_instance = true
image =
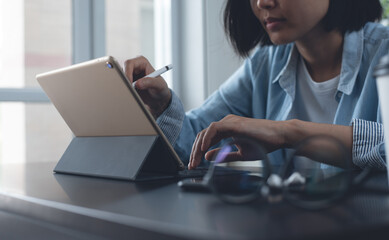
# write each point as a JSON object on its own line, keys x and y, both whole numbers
{"x": 202, "y": 56}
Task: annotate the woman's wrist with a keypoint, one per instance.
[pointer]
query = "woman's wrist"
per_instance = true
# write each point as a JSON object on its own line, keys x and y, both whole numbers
{"x": 163, "y": 106}
{"x": 293, "y": 132}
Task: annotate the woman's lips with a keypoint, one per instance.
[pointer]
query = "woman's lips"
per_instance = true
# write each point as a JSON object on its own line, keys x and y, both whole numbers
{"x": 273, "y": 24}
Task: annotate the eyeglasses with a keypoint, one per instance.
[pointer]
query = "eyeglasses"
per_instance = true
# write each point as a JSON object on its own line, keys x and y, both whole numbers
{"x": 307, "y": 179}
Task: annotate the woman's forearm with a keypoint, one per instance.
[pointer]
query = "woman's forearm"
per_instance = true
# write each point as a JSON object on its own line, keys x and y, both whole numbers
{"x": 297, "y": 130}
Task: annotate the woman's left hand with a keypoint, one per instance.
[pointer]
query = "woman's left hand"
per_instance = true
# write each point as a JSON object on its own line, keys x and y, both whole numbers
{"x": 271, "y": 134}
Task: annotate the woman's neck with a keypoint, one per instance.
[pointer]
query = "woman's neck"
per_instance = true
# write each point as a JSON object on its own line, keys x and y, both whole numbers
{"x": 322, "y": 53}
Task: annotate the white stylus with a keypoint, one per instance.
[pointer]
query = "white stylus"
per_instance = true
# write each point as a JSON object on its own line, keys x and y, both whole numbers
{"x": 158, "y": 72}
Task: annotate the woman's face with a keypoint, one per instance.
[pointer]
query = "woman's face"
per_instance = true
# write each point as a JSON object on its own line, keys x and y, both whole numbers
{"x": 286, "y": 21}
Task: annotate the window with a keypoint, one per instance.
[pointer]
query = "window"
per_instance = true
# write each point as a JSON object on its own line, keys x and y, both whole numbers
{"x": 139, "y": 27}
{"x": 35, "y": 36}
{"x": 130, "y": 29}
{"x": 45, "y": 35}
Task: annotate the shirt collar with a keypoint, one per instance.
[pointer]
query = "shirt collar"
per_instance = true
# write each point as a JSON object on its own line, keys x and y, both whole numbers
{"x": 351, "y": 62}
{"x": 287, "y": 76}
{"x": 291, "y": 64}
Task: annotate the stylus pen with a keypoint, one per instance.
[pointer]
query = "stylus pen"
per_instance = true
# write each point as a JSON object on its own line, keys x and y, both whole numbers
{"x": 158, "y": 72}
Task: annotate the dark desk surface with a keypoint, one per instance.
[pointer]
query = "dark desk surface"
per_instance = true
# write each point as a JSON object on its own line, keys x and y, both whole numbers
{"x": 66, "y": 206}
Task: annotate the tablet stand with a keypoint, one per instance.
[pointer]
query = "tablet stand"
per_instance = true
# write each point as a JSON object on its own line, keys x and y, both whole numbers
{"x": 120, "y": 157}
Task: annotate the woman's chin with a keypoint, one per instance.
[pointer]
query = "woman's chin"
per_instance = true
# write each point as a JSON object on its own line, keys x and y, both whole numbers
{"x": 280, "y": 40}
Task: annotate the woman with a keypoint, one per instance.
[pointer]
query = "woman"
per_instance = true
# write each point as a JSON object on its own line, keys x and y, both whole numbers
{"x": 311, "y": 73}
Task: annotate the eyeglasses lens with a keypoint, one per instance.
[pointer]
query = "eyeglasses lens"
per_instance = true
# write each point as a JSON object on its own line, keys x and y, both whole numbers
{"x": 310, "y": 177}
{"x": 237, "y": 177}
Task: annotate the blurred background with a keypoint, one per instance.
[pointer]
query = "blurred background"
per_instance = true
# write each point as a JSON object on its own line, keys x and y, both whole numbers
{"x": 41, "y": 35}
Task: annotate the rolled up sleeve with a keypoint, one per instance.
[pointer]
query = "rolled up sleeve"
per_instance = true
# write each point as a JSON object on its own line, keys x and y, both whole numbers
{"x": 170, "y": 121}
{"x": 368, "y": 144}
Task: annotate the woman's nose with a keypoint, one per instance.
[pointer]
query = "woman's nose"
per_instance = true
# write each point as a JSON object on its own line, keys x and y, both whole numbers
{"x": 266, "y": 4}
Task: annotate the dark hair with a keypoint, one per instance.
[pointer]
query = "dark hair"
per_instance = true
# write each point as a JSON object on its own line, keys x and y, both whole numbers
{"x": 245, "y": 31}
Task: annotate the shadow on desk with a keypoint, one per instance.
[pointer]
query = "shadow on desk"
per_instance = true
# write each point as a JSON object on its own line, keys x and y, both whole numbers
{"x": 82, "y": 189}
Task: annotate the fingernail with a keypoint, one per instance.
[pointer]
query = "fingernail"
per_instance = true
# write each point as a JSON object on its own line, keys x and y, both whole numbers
{"x": 133, "y": 84}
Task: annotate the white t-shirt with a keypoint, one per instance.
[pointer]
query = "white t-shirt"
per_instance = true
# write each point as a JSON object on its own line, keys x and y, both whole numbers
{"x": 314, "y": 102}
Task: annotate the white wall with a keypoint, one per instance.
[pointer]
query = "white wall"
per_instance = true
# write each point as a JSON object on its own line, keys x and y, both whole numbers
{"x": 202, "y": 57}
{"x": 221, "y": 61}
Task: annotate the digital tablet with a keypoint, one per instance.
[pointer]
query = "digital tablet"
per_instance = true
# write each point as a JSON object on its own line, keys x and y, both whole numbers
{"x": 115, "y": 135}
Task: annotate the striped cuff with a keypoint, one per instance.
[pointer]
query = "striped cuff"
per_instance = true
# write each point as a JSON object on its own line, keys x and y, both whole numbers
{"x": 368, "y": 137}
{"x": 170, "y": 121}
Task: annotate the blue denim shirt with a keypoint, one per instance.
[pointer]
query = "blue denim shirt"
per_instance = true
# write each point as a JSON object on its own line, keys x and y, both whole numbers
{"x": 264, "y": 88}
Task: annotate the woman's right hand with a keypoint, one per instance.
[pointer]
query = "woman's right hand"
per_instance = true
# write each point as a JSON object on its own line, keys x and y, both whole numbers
{"x": 154, "y": 91}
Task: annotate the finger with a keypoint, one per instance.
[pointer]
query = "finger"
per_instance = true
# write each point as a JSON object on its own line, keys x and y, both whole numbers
{"x": 230, "y": 157}
{"x": 199, "y": 153}
{"x": 196, "y": 154}
{"x": 192, "y": 151}
{"x": 137, "y": 66}
{"x": 131, "y": 67}
{"x": 211, "y": 154}
{"x": 157, "y": 84}
{"x": 216, "y": 132}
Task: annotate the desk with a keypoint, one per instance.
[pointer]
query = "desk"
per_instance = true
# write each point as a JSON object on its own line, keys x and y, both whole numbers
{"x": 42, "y": 204}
